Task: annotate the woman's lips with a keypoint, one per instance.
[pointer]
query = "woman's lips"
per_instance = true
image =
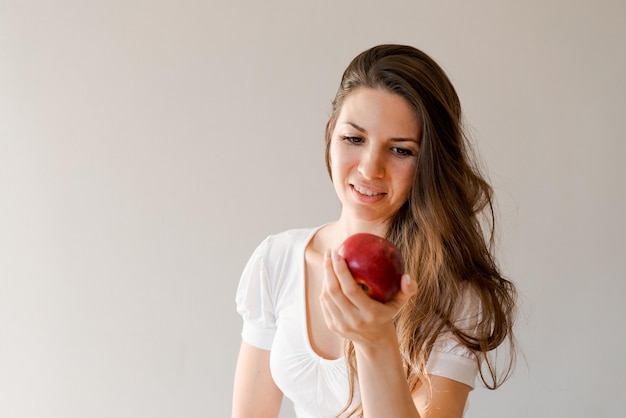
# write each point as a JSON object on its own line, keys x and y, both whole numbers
{"x": 365, "y": 191}
{"x": 366, "y": 195}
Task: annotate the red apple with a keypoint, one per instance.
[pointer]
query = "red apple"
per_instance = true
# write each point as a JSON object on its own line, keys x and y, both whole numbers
{"x": 375, "y": 263}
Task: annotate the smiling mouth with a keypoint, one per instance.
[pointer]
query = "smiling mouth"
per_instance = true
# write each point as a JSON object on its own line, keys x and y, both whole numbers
{"x": 365, "y": 191}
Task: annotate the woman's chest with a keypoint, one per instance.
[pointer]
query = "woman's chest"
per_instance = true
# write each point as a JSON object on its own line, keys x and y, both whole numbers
{"x": 313, "y": 383}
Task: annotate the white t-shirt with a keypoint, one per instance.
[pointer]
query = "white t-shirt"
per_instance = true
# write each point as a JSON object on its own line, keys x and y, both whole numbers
{"x": 272, "y": 301}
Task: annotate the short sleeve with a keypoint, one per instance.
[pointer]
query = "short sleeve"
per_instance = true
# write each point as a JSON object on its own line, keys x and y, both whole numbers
{"x": 255, "y": 302}
{"x": 449, "y": 357}
{"x": 453, "y": 360}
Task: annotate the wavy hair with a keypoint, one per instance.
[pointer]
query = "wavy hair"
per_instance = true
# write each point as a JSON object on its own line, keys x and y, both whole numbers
{"x": 445, "y": 230}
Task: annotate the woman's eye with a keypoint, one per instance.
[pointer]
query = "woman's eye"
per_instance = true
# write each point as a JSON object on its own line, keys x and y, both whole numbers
{"x": 403, "y": 151}
{"x": 353, "y": 139}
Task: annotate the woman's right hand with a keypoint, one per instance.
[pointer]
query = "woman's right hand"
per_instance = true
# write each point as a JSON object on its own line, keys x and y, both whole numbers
{"x": 349, "y": 312}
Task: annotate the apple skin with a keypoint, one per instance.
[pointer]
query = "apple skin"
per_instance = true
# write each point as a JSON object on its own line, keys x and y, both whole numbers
{"x": 375, "y": 263}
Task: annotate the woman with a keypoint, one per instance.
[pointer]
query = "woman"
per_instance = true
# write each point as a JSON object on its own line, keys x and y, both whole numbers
{"x": 400, "y": 165}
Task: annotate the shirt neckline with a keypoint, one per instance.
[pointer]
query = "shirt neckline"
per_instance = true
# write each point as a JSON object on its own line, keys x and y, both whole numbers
{"x": 304, "y": 306}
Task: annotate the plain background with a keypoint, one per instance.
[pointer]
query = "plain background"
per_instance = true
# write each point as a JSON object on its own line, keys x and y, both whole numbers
{"x": 147, "y": 147}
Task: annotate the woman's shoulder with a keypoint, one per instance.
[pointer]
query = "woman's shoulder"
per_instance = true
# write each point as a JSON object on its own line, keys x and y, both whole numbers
{"x": 288, "y": 242}
{"x": 467, "y": 312}
{"x": 292, "y": 235}
{"x": 291, "y": 238}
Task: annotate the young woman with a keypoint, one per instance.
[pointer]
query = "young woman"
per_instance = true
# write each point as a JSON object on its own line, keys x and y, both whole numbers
{"x": 400, "y": 165}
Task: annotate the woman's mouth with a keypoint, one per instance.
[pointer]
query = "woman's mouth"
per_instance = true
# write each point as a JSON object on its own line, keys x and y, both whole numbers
{"x": 365, "y": 195}
{"x": 364, "y": 191}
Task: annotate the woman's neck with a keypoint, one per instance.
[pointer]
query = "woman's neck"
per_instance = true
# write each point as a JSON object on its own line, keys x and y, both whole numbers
{"x": 349, "y": 225}
{"x": 336, "y": 232}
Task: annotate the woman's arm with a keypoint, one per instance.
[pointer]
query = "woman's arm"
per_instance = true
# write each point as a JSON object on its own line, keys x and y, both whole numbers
{"x": 382, "y": 383}
{"x": 448, "y": 398}
{"x": 255, "y": 394}
{"x": 369, "y": 325}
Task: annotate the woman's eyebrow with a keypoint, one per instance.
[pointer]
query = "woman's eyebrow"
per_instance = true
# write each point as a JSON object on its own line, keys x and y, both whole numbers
{"x": 357, "y": 127}
{"x": 406, "y": 140}
{"x": 395, "y": 139}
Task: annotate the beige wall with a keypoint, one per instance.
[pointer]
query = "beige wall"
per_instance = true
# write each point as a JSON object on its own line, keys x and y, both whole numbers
{"x": 146, "y": 147}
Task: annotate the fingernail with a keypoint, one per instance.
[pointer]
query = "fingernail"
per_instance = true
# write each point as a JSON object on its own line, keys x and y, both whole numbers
{"x": 407, "y": 279}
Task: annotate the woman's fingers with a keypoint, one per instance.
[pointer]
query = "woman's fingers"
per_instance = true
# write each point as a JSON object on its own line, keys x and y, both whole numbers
{"x": 340, "y": 313}
{"x": 349, "y": 287}
{"x": 347, "y": 309}
{"x": 408, "y": 289}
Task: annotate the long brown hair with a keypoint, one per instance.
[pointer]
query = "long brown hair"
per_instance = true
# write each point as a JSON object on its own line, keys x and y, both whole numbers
{"x": 445, "y": 230}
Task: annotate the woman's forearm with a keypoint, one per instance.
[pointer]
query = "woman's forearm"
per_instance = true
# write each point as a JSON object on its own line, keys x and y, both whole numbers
{"x": 382, "y": 382}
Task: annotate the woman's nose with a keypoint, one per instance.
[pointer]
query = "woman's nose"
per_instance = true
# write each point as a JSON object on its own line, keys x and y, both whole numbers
{"x": 371, "y": 164}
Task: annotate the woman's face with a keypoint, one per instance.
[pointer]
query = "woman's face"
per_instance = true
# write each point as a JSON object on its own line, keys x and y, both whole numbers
{"x": 373, "y": 154}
